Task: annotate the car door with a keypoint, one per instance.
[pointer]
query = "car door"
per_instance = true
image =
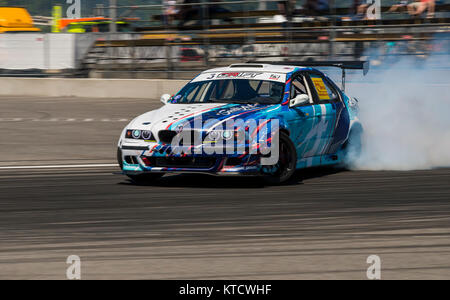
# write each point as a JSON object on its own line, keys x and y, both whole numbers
{"x": 303, "y": 122}
{"x": 324, "y": 114}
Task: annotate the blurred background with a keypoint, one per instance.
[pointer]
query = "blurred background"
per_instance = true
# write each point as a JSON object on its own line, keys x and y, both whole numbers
{"x": 61, "y": 195}
{"x": 177, "y": 39}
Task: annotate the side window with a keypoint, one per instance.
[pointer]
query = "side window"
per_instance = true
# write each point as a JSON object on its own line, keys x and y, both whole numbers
{"x": 298, "y": 87}
{"x": 324, "y": 90}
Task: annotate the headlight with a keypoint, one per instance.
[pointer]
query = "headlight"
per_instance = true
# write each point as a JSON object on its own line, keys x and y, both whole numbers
{"x": 227, "y": 135}
{"x": 139, "y": 134}
{"x": 129, "y": 134}
{"x": 147, "y": 135}
{"x": 136, "y": 134}
{"x": 217, "y": 135}
{"x": 214, "y": 136}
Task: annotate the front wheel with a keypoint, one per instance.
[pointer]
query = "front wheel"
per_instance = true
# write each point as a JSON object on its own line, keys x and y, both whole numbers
{"x": 284, "y": 169}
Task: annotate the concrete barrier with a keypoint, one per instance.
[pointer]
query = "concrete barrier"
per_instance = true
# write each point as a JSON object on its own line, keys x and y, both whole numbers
{"x": 92, "y": 88}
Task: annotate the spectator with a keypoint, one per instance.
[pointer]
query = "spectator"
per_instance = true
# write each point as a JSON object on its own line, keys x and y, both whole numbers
{"x": 216, "y": 9}
{"x": 169, "y": 11}
{"x": 286, "y": 8}
{"x": 190, "y": 12}
{"x": 399, "y": 6}
{"x": 187, "y": 12}
{"x": 418, "y": 8}
{"x": 360, "y": 8}
{"x": 317, "y": 7}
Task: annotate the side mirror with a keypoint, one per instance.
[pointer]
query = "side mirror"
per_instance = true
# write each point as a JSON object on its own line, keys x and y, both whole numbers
{"x": 165, "y": 98}
{"x": 299, "y": 100}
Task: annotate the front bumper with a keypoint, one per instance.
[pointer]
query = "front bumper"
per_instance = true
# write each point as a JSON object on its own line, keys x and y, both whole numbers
{"x": 138, "y": 160}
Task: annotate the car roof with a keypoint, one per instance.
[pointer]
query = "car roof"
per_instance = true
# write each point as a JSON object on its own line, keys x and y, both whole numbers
{"x": 255, "y": 67}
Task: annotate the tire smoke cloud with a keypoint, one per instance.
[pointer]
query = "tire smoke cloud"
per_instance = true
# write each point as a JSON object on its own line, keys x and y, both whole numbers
{"x": 405, "y": 111}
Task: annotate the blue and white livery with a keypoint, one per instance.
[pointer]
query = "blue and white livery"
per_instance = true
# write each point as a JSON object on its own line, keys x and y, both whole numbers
{"x": 316, "y": 122}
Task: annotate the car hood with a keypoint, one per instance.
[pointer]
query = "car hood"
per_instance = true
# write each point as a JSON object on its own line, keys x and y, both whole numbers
{"x": 173, "y": 116}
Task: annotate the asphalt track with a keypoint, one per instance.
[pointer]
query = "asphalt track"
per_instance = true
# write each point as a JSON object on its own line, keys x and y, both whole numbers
{"x": 323, "y": 225}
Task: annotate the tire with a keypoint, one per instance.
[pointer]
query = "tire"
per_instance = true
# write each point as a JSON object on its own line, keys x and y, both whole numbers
{"x": 353, "y": 147}
{"x": 285, "y": 168}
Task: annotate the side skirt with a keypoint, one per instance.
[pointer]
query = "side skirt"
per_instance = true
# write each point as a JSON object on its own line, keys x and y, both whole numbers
{"x": 316, "y": 161}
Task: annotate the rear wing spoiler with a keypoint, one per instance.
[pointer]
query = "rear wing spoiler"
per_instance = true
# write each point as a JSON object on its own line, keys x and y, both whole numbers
{"x": 343, "y": 65}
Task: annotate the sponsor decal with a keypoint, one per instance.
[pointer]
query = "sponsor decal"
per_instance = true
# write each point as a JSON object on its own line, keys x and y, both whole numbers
{"x": 274, "y": 77}
{"x": 229, "y": 111}
{"x": 247, "y": 75}
{"x": 321, "y": 88}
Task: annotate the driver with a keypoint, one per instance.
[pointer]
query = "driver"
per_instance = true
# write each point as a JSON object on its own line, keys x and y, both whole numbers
{"x": 243, "y": 90}
{"x": 276, "y": 91}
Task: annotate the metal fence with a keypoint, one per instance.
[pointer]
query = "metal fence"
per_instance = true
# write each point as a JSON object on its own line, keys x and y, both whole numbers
{"x": 164, "y": 50}
{"x": 140, "y": 56}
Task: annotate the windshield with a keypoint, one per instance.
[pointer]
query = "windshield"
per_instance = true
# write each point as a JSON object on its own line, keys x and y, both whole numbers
{"x": 231, "y": 91}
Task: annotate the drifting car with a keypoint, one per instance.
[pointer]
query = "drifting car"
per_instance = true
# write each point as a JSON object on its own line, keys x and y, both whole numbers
{"x": 312, "y": 120}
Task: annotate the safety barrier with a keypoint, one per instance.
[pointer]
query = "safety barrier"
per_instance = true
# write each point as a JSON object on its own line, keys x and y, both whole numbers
{"x": 89, "y": 88}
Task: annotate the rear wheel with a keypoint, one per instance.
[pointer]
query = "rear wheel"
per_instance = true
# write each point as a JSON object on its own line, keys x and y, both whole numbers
{"x": 283, "y": 170}
{"x": 352, "y": 148}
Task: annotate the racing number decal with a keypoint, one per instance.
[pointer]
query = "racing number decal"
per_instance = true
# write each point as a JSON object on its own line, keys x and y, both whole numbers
{"x": 321, "y": 88}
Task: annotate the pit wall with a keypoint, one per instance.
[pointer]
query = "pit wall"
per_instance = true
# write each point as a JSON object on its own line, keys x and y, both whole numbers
{"x": 89, "y": 88}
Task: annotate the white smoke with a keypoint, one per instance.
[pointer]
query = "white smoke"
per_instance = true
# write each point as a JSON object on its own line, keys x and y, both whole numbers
{"x": 405, "y": 111}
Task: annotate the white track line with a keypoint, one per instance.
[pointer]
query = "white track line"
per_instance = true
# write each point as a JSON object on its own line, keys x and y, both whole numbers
{"x": 60, "y": 166}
